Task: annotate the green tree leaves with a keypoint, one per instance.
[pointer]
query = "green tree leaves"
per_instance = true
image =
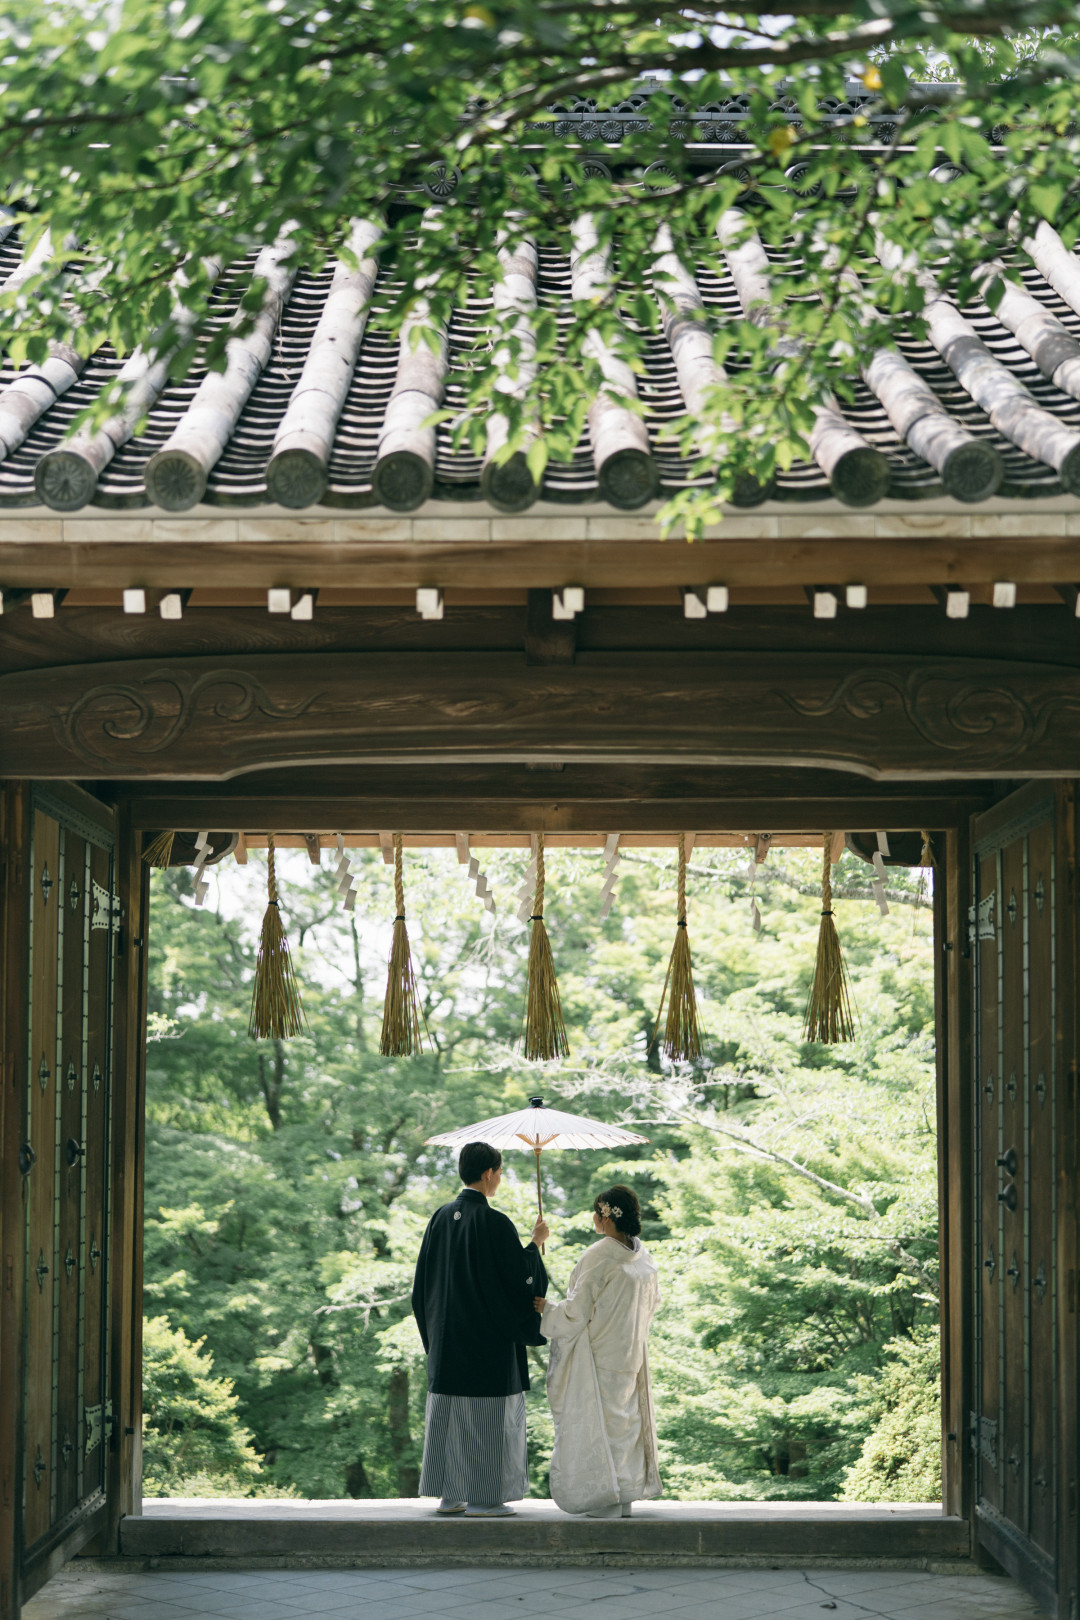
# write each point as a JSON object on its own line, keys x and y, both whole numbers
{"x": 789, "y": 1192}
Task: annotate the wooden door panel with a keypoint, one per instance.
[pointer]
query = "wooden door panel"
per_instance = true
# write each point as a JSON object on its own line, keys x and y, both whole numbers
{"x": 69, "y": 991}
{"x": 1040, "y": 1266}
{"x": 69, "y": 1281}
{"x": 41, "y": 1260}
{"x": 987, "y": 1134}
{"x": 1022, "y": 928}
{"x": 100, "y": 945}
{"x": 1004, "y": 1187}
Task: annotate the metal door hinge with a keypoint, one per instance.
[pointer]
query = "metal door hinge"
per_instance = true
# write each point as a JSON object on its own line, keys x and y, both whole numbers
{"x": 104, "y": 908}
{"x": 93, "y": 1420}
{"x": 981, "y": 920}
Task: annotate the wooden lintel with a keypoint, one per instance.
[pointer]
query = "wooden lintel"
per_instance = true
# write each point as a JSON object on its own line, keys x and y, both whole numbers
{"x": 214, "y": 552}
{"x": 435, "y": 820}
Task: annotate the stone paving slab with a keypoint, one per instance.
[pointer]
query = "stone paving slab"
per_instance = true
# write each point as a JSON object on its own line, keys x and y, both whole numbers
{"x": 82, "y": 1592}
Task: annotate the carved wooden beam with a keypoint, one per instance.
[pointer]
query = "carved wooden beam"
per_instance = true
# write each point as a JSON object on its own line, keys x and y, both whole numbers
{"x": 885, "y": 717}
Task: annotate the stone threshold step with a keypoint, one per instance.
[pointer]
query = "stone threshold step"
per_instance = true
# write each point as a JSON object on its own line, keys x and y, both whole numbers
{"x": 663, "y": 1531}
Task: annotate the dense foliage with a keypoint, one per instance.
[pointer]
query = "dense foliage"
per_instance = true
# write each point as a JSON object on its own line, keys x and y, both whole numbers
{"x": 789, "y": 1191}
{"x": 155, "y": 138}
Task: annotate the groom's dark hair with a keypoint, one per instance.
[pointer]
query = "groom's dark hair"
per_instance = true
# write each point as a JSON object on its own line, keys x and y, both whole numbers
{"x": 475, "y": 1158}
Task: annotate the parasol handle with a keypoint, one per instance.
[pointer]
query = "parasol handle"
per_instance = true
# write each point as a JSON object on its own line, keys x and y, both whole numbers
{"x": 539, "y": 1194}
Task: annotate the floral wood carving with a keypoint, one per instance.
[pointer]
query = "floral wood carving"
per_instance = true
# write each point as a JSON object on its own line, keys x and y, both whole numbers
{"x": 987, "y": 723}
{"x": 129, "y": 714}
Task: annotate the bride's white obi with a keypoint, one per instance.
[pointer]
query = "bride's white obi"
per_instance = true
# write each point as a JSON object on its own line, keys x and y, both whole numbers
{"x": 598, "y": 1380}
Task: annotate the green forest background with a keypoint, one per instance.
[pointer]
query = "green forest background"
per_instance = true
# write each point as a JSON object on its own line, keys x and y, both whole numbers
{"x": 789, "y": 1191}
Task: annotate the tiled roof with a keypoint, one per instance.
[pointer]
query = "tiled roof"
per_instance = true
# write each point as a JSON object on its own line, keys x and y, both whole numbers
{"x": 999, "y": 421}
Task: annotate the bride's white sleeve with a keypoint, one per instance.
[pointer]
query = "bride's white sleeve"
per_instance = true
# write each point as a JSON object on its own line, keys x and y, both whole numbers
{"x": 566, "y": 1319}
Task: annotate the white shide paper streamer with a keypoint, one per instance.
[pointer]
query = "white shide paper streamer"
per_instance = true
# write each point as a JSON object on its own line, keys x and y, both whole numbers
{"x": 475, "y": 875}
{"x": 345, "y": 881}
{"x": 202, "y": 852}
{"x": 611, "y": 861}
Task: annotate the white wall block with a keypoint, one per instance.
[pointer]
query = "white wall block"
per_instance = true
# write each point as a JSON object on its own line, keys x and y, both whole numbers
{"x": 693, "y": 607}
{"x": 171, "y": 605}
{"x": 42, "y": 605}
{"x": 134, "y": 600}
{"x": 717, "y": 599}
{"x": 1004, "y": 594}
{"x": 429, "y": 602}
{"x": 856, "y": 596}
{"x": 825, "y": 604}
{"x": 278, "y": 600}
{"x": 303, "y": 607}
{"x": 957, "y": 604}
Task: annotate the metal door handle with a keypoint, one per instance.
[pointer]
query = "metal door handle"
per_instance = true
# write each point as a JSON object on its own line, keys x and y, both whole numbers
{"x": 1009, "y": 1162}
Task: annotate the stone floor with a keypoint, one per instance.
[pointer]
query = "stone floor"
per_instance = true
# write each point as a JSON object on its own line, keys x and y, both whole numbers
{"x": 570, "y": 1594}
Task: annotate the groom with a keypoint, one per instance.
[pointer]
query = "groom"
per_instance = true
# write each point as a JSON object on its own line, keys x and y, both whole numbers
{"x": 473, "y": 1302}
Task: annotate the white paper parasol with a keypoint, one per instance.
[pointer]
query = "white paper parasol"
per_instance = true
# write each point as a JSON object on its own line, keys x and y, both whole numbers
{"x": 538, "y": 1127}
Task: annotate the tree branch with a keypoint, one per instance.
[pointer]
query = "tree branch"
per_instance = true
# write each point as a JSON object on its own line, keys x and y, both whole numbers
{"x": 748, "y": 1144}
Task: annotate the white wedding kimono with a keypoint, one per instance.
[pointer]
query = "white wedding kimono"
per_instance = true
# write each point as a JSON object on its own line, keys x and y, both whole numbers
{"x": 598, "y": 1380}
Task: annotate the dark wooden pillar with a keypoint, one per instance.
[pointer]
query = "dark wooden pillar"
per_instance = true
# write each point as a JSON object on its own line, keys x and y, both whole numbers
{"x": 14, "y": 918}
{"x": 1068, "y": 1236}
{"x": 955, "y": 1165}
{"x": 124, "y": 1461}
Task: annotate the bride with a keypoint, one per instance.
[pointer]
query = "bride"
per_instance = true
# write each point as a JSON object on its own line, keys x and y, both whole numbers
{"x": 598, "y": 1374}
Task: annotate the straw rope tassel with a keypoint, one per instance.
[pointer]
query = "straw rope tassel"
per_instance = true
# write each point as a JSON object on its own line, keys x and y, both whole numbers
{"x": 159, "y": 852}
{"x": 401, "y": 1019}
{"x": 545, "y": 1032}
{"x": 276, "y": 1013}
{"x": 829, "y": 1017}
{"x": 682, "y": 1038}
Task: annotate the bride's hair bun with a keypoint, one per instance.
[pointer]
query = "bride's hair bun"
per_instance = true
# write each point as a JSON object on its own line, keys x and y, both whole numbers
{"x": 620, "y": 1204}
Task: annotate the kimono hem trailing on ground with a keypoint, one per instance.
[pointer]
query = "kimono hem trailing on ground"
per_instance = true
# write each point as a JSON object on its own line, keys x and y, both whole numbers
{"x": 598, "y": 1380}
{"x": 472, "y": 1298}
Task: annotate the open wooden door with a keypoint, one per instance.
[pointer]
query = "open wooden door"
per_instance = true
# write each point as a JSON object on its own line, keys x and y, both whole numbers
{"x": 1023, "y": 1429}
{"x": 72, "y": 1026}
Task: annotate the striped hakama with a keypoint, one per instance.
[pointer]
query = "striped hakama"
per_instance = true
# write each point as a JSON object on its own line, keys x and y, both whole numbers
{"x": 474, "y": 1449}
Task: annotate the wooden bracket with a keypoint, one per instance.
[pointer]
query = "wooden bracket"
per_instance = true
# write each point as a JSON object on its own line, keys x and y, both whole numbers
{"x": 548, "y": 642}
{"x": 10, "y": 600}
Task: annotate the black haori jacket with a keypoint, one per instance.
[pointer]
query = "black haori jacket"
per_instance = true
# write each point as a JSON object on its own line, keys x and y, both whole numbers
{"x": 472, "y": 1298}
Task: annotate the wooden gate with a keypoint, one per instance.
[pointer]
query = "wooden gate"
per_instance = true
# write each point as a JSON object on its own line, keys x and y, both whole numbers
{"x": 1022, "y": 926}
{"x": 66, "y": 1126}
